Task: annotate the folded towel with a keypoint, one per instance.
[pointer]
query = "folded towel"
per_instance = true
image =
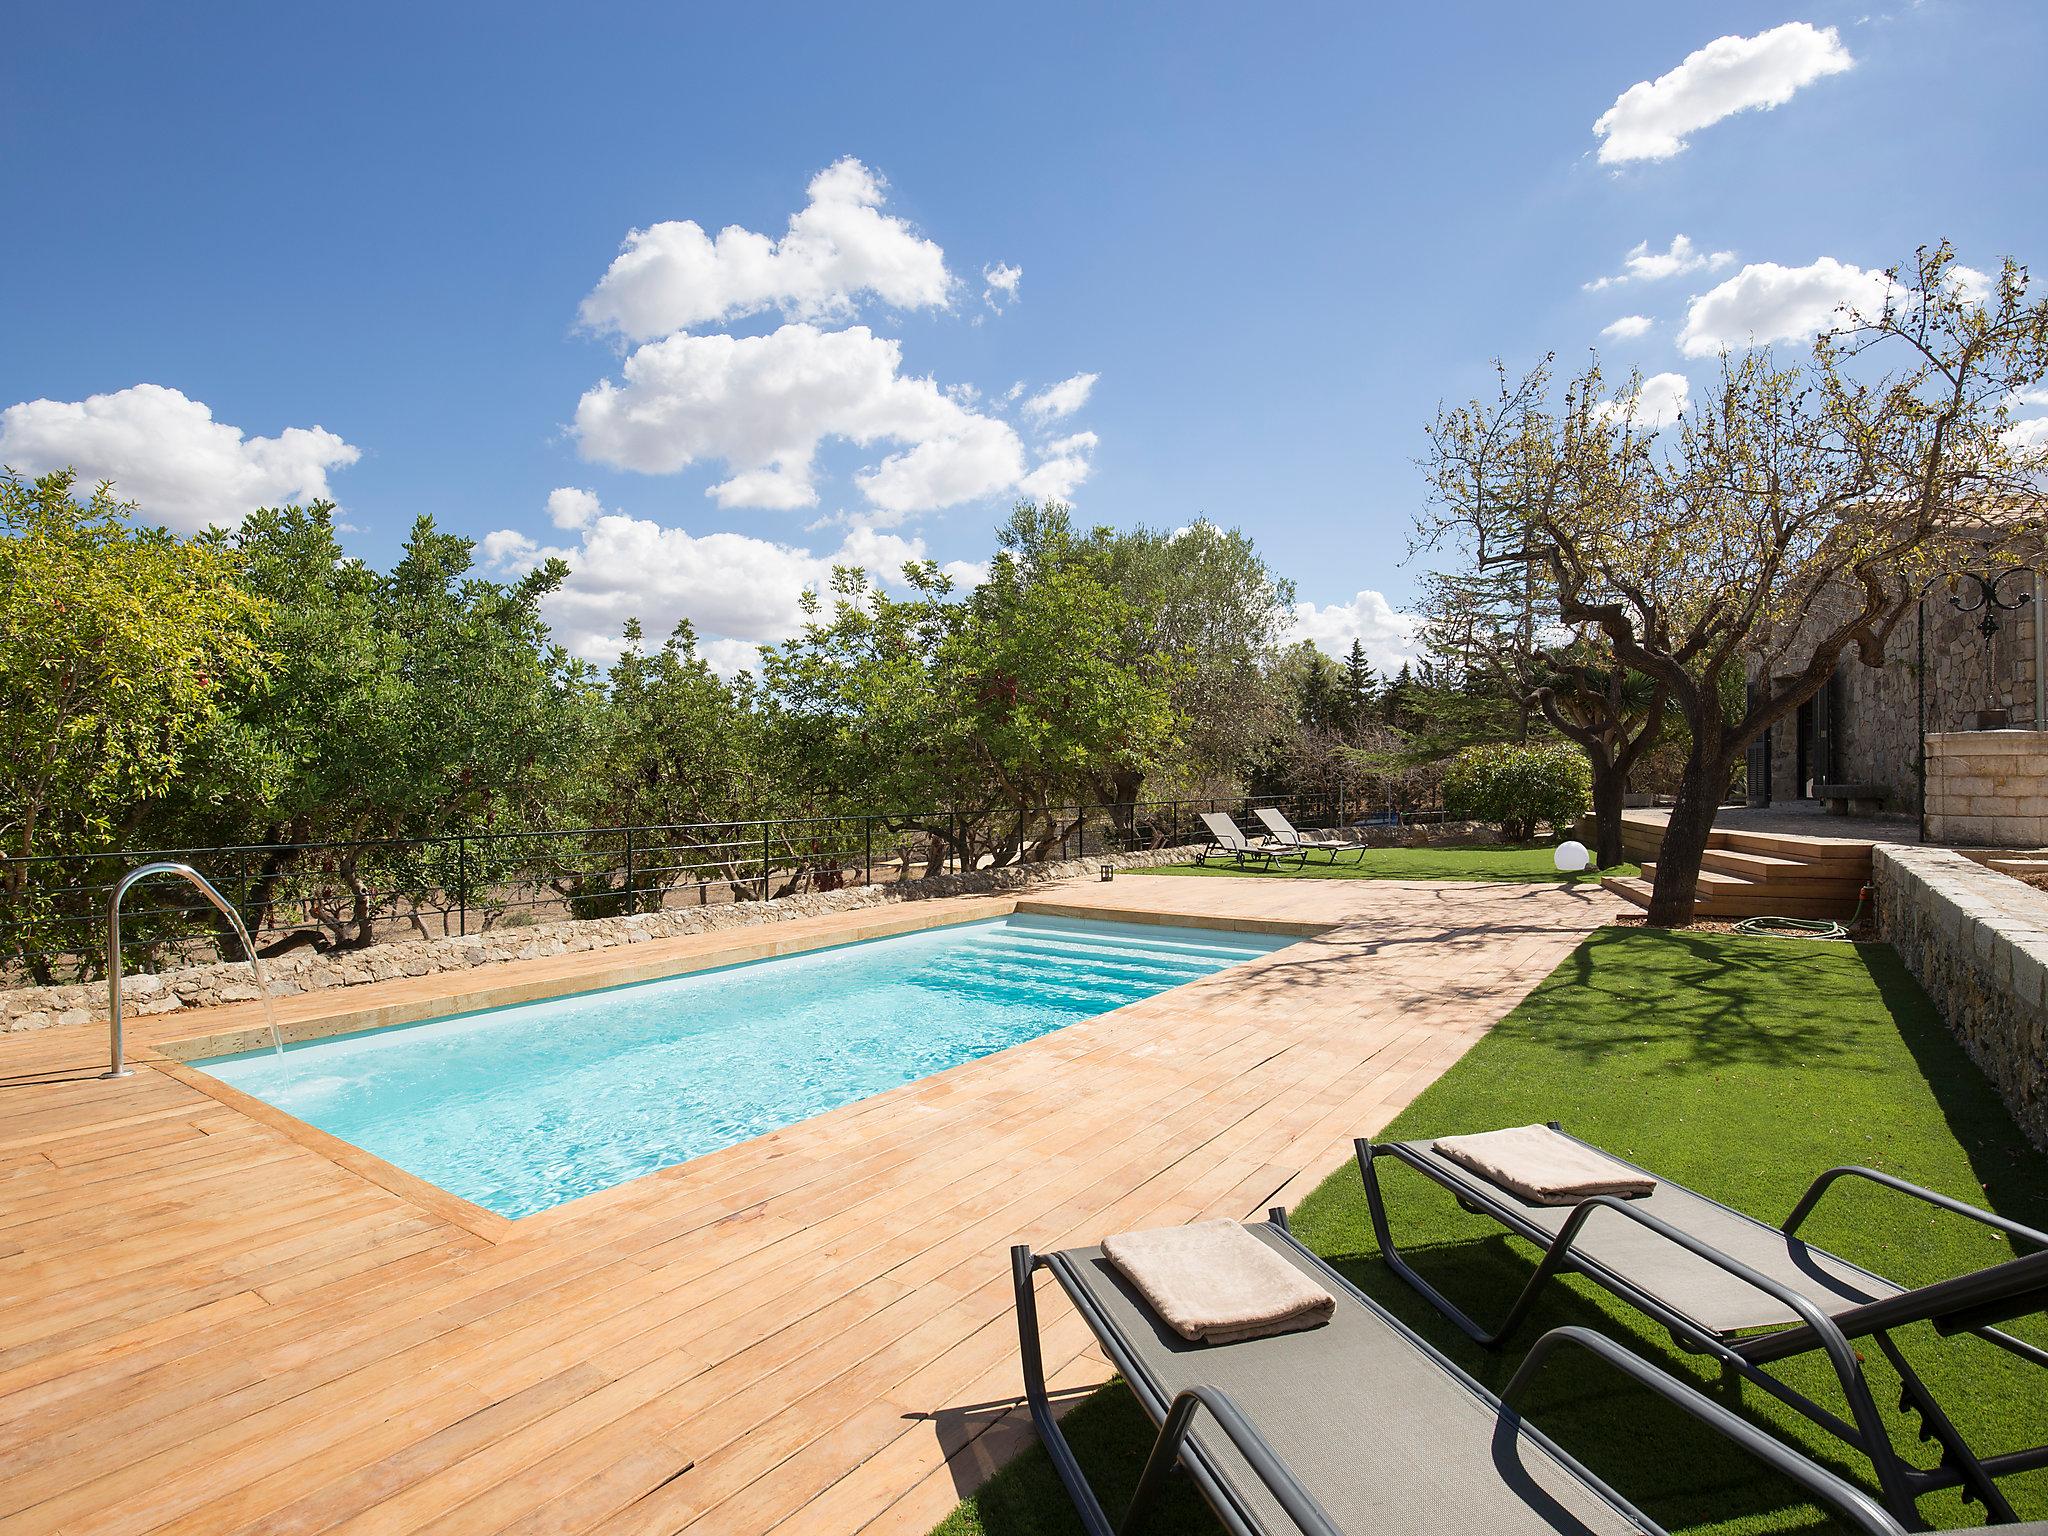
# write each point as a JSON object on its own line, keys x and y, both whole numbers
{"x": 1543, "y": 1166}
{"x": 1214, "y": 1283}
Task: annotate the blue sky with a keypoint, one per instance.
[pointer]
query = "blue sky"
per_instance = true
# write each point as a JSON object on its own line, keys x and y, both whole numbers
{"x": 1277, "y": 237}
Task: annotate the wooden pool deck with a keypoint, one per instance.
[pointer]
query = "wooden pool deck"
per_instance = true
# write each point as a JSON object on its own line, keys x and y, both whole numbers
{"x": 218, "y": 1321}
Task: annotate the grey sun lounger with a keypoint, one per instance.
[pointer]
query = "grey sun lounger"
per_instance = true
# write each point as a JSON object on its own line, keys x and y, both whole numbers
{"x": 1284, "y": 835}
{"x": 1750, "y": 1295}
{"x": 1226, "y": 841}
{"x": 1359, "y": 1426}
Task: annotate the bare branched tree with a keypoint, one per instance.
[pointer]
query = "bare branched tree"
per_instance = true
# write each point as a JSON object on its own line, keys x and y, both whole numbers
{"x": 1792, "y": 518}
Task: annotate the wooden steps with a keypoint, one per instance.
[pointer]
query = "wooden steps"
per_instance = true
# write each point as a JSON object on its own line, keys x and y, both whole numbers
{"x": 1749, "y": 873}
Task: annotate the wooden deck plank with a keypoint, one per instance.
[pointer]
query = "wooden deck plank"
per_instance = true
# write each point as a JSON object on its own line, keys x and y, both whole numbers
{"x": 217, "y": 1323}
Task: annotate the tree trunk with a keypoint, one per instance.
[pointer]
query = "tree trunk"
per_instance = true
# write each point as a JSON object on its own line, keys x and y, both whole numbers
{"x": 1610, "y": 784}
{"x": 1685, "y": 841}
{"x": 362, "y": 909}
{"x": 1125, "y": 784}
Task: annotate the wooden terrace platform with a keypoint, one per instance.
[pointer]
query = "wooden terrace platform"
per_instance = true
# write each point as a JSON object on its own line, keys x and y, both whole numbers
{"x": 218, "y": 1320}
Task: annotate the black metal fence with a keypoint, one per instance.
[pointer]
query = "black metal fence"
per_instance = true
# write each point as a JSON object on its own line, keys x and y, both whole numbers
{"x": 354, "y": 894}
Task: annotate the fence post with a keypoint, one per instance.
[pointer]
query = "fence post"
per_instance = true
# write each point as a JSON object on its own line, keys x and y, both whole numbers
{"x": 867, "y": 827}
{"x": 766, "y": 826}
{"x": 461, "y": 887}
{"x": 632, "y": 900}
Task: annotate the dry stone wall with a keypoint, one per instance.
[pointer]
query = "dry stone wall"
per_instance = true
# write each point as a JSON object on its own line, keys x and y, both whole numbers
{"x": 1977, "y": 940}
{"x": 307, "y": 971}
{"x": 207, "y": 985}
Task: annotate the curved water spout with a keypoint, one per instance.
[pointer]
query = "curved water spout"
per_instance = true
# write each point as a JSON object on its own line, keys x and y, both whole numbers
{"x": 187, "y": 872}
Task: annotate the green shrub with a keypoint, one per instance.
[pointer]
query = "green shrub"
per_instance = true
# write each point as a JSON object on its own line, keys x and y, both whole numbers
{"x": 1520, "y": 786}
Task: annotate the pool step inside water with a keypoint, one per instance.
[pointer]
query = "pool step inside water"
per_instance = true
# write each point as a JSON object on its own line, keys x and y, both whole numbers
{"x": 521, "y": 1108}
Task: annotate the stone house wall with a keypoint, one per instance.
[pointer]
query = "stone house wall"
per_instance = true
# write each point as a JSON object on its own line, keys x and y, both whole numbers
{"x": 1876, "y": 709}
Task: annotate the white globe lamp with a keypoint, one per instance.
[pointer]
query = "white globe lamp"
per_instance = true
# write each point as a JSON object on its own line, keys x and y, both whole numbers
{"x": 1571, "y": 858}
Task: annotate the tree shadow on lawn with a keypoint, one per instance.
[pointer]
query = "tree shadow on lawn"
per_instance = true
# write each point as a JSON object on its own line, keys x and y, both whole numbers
{"x": 2007, "y": 1167}
{"x": 1742, "y": 1068}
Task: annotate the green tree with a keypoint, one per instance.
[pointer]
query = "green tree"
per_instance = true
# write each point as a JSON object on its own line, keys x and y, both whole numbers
{"x": 1397, "y": 698}
{"x": 1315, "y": 688}
{"x": 116, "y": 646}
{"x": 1016, "y": 698}
{"x": 415, "y": 706}
{"x": 675, "y": 750}
{"x": 1361, "y": 688}
{"x": 1201, "y": 610}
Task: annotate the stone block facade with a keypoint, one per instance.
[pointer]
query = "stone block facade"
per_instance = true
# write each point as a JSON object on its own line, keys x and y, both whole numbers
{"x": 1988, "y": 789}
{"x": 1977, "y": 940}
{"x": 1873, "y": 713}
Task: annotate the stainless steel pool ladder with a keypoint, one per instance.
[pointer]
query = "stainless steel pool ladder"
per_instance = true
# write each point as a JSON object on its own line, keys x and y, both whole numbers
{"x": 187, "y": 872}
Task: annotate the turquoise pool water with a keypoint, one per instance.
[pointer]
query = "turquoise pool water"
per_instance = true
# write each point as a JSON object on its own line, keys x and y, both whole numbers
{"x": 522, "y": 1108}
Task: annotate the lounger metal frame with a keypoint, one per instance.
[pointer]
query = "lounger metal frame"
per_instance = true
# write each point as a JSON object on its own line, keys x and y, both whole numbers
{"x": 1175, "y": 1415}
{"x": 1292, "y": 838}
{"x": 1963, "y": 1310}
{"x": 1247, "y": 849}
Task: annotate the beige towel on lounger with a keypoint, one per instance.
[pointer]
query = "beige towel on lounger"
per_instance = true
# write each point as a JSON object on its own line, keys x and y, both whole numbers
{"x": 1214, "y": 1283}
{"x": 1543, "y": 1166}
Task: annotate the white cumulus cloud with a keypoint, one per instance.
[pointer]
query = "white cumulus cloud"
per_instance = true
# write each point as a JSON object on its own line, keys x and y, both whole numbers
{"x": 1066, "y": 463}
{"x": 1389, "y": 636}
{"x": 167, "y": 454}
{"x": 1003, "y": 281}
{"x": 2029, "y": 435}
{"x": 838, "y": 248}
{"x": 1643, "y": 265}
{"x": 739, "y": 591}
{"x": 1625, "y": 327}
{"x": 1650, "y": 120}
{"x": 1061, "y": 399}
{"x": 763, "y": 404}
{"x": 1656, "y": 403}
{"x": 1765, "y": 302}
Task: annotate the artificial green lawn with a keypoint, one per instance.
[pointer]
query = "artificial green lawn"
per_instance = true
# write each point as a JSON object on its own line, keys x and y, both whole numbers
{"x": 1497, "y": 862}
{"x": 1741, "y": 1067}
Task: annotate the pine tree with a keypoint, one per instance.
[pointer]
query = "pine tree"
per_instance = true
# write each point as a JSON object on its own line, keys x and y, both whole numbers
{"x": 1361, "y": 687}
{"x": 1395, "y": 700}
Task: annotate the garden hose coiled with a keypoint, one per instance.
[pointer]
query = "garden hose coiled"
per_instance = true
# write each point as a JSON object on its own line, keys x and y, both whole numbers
{"x": 1804, "y": 927}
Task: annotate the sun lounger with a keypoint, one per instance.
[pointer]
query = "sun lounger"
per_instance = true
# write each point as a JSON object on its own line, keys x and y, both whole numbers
{"x": 1226, "y": 842}
{"x": 1283, "y": 835}
{"x": 1750, "y": 1294}
{"x": 1356, "y": 1427}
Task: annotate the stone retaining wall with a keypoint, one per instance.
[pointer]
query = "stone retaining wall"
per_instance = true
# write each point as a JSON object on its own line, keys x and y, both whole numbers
{"x": 307, "y": 971}
{"x": 1977, "y": 940}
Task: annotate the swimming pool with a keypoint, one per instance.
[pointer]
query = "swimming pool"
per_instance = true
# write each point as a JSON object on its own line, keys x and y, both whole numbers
{"x": 521, "y": 1108}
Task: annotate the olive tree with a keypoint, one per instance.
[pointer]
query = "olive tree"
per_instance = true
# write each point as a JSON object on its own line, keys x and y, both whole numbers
{"x": 1792, "y": 518}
